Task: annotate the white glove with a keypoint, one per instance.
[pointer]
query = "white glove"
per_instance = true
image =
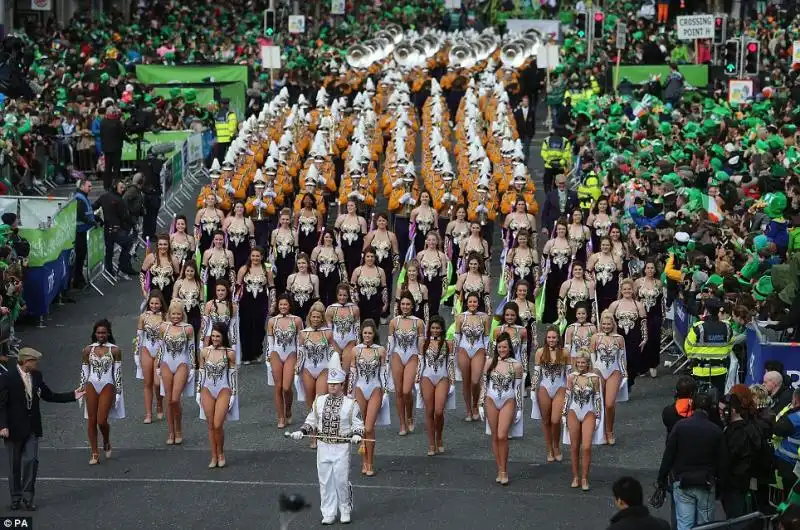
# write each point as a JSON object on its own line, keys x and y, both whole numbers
{"x": 406, "y": 199}
{"x": 258, "y": 203}
{"x": 355, "y": 439}
{"x": 356, "y": 195}
{"x": 270, "y": 193}
{"x": 518, "y": 417}
{"x": 449, "y": 197}
{"x": 482, "y": 413}
{"x": 481, "y": 208}
{"x": 296, "y": 435}
{"x": 229, "y": 188}
{"x": 397, "y": 183}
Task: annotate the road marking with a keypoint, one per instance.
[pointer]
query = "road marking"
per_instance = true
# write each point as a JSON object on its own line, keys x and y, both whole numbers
{"x": 276, "y": 484}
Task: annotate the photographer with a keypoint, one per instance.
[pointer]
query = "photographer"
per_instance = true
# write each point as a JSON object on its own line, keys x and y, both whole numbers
{"x": 134, "y": 202}
{"x": 150, "y": 169}
{"x": 118, "y": 224}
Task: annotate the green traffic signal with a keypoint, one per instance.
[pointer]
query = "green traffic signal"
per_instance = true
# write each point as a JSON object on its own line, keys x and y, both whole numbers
{"x": 581, "y": 34}
{"x": 730, "y": 67}
{"x": 270, "y": 31}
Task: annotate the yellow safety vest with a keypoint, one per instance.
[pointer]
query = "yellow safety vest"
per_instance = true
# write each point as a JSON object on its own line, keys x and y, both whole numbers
{"x": 226, "y": 128}
{"x": 710, "y": 359}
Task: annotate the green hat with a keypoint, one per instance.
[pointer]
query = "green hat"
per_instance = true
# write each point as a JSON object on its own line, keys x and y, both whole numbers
{"x": 763, "y": 288}
{"x": 775, "y": 142}
{"x": 174, "y": 93}
{"x": 665, "y": 128}
{"x": 716, "y": 163}
{"x": 715, "y": 281}
{"x": 718, "y": 150}
{"x": 104, "y": 77}
{"x": 190, "y": 95}
{"x": 776, "y": 204}
{"x": 673, "y": 179}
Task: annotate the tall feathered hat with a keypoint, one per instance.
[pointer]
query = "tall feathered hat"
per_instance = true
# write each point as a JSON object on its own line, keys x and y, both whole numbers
{"x": 335, "y": 372}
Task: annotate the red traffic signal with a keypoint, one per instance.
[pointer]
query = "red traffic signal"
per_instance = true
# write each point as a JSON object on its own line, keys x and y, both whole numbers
{"x": 752, "y": 47}
{"x": 718, "y": 21}
{"x": 598, "y": 17}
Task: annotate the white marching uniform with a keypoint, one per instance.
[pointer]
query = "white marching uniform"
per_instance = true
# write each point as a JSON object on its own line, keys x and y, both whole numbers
{"x": 334, "y": 420}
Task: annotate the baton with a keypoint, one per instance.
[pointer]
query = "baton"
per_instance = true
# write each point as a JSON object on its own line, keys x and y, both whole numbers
{"x": 286, "y": 434}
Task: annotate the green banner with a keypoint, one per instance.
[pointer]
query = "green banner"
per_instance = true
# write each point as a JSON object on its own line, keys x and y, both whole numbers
{"x": 48, "y": 244}
{"x": 96, "y": 249}
{"x": 695, "y": 75}
{"x": 176, "y": 137}
{"x": 177, "y": 168}
{"x": 156, "y": 74}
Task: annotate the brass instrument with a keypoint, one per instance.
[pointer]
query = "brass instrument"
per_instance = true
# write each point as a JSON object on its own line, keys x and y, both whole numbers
{"x": 408, "y": 184}
{"x": 448, "y": 188}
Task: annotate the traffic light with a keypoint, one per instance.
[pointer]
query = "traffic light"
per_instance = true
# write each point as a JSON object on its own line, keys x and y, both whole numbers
{"x": 752, "y": 50}
{"x": 720, "y": 28}
{"x": 269, "y": 23}
{"x": 730, "y": 59}
{"x": 580, "y": 24}
{"x": 599, "y": 18}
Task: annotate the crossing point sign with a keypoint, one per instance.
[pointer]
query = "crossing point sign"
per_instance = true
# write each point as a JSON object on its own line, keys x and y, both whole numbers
{"x": 696, "y": 27}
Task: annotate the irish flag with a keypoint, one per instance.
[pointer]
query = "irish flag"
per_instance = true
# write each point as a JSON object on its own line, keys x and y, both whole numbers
{"x": 698, "y": 199}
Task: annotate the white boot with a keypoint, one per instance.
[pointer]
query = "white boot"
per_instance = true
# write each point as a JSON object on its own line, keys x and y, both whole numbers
{"x": 329, "y": 520}
{"x": 344, "y": 518}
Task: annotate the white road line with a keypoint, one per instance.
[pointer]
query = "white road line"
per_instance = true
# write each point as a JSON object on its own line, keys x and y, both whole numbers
{"x": 112, "y": 480}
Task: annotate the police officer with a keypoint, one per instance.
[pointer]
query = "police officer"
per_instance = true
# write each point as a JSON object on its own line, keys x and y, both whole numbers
{"x": 557, "y": 156}
{"x": 226, "y": 126}
{"x": 709, "y": 345}
{"x": 786, "y": 440}
{"x": 589, "y": 188}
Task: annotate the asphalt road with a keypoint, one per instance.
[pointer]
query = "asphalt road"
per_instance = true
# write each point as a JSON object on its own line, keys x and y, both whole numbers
{"x": 150, "y": 485}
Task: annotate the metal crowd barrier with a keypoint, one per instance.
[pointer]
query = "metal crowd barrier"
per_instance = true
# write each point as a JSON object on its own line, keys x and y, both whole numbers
{"x": 760, "y": 350}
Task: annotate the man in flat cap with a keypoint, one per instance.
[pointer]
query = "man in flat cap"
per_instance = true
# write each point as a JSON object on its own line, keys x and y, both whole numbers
{"x": 21, "y": 423}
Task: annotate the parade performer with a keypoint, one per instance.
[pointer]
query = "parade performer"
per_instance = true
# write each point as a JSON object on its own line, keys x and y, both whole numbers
{"x": 183, "y": 245}
{"x": 344, "y": 319}
{"x": 434, "y": 264}
{"x": 368, "y": 384}
{"x": 189, "y": 291}
{"x": 282, "y": 340}
{"x": 176, "y": 358}
{"x": 240, "y": 235}
{"x": 101, "y": 379}
{"x": 217, "y": 265}
{"x": 146, "y": 350}
{"x": 216, "y": 390}
{"x": 284, "y": 250}
{"x": 471, "y": 340}
{"x": 500, "y": 402}
{"x": 584, "y": 417}
{"x": 159, "y": 269}
{"x": 335, "y": 420}
{"x": 436, "y": 377}
{"x": 551, "y": 366}
{"x": 328, "y": 263}
{"x": 256, "y": 289}
{"x": 607, "y": 349}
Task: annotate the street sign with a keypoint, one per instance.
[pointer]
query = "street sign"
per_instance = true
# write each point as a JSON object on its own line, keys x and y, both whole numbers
{"x": 547, "y": 57}
{"x": 622, "y": 34}
{"x": 338, "y": 7}
{"x": 297, "y": 23}
{"x": 271, "y": 57}
{"x": 796, "y": 52}
{"x": 696, "y": 27}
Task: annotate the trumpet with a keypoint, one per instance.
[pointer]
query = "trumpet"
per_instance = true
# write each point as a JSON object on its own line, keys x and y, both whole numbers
{"x": 448, "y": 188}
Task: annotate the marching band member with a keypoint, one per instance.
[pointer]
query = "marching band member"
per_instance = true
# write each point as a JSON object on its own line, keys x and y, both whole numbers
{"x": 176, "y": 361}
{"x": 282, "y": 345}
{"x": 584, "y": 417}
{"x": 217, "y": 390}
{"x": 335, "y": 420}
{"x": 500, "y": 402}
{"x": 406, "y": 333}
{"x": 551, "y": 364}
{"x": 146, "y": 352}
{"x": 182, "y": 244}
{"x": 101, "y": 379}
{"x": 368, "y": 385}
{"x": 256, "y": 289}
{"x": 159, "y": 269}
{"x": 471, "y": 340}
